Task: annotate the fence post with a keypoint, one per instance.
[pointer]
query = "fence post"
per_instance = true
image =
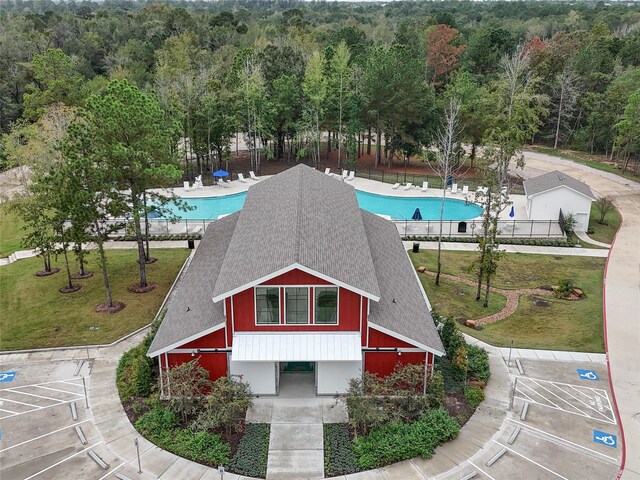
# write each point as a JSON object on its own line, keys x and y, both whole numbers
{"x": 513, "y": 231}
{"x": 167, "y": 220}
{"x": 549, "y": 231}
{"x": 531, "y": 232}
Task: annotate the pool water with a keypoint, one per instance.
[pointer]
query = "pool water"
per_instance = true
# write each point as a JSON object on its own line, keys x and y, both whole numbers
{"x": 399, "y": 208}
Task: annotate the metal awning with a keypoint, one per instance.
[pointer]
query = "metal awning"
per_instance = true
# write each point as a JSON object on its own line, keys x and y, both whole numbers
{"x": 296, "y": 347}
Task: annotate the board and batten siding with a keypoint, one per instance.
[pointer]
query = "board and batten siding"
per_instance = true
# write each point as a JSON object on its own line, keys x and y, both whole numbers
{"x": 547, "y": 205}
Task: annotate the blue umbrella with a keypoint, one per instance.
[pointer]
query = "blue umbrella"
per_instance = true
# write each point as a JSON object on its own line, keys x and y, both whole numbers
{"x": 511, "y": 212}
{"x": 220, "y": 173}
{"x": 417, "y": 215}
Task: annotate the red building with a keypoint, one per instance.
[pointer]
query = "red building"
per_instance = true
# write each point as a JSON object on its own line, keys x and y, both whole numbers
{"x": 300, "y": 279}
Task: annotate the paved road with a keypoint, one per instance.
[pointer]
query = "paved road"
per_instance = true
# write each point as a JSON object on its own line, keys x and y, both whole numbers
{"x": 622, "y": 296}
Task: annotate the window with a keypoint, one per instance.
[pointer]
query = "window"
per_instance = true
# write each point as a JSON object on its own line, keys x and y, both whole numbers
{"x": 267, "y": 305}
{"x": 326, "y": 305}
{"x": 297, "y": 310}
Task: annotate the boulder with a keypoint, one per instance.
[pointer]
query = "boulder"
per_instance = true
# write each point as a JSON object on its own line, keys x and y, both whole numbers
{"x": 422, "y": 269}
{"x": 471, "y": 323}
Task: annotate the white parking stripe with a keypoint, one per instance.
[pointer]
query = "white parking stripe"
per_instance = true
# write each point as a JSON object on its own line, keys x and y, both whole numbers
{"x": 33, "y": 395}
{"x": 112, "y": 470}
{"x": 481, "y": 471}
{"x": 42, "y": 436}
{"x": 8, "y": 411}
{"x": 38, "y": 409}
{"x": 70, "y": 383}
{"x": 560, "y": 398}
{"x": 529, "y": 460}
{"x": 567, "y": 411}
{"x": 62, "y": 461}
{"x": 2, "y": 399}
{"x": 539, "y": 394}
{"x": 46, "y": 383}
{"x": 593, "y": 452}
{"x": 585, "y": 404}
{"x": 58, "y": 390}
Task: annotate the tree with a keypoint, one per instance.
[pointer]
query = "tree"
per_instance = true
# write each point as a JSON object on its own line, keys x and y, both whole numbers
{"x": 567, "y": 93}
{"x": 314, "y": 87}
{"x": 134, "y": 141}
{"x": 446, "y": 163}
{"x": 443, "y": 50}
{"x": 604, "y": 205}
{"x": 339, "y": 87}
{"x": 629, "y": 129}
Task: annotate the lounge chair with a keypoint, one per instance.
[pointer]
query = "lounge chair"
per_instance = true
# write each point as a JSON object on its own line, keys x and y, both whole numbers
{"x": 345, "y": 173}
{"x": 197, "y": 184}
{"x": 351, "y": 176}
{"x": 187, "y": 186}
{"x": 222, "y": 183}
{"x": 482, "y": 190}
{"x": 407, "y": 186}
{"x": 425, "y": 186}
{"x": 465, "y": 189}
{"x": 253, "y": 176}
{"x": 454, "y": 188}
{"x": 395, "y": 186}
{"x": 241, "y": 178}
{"x": 327, "y": 171}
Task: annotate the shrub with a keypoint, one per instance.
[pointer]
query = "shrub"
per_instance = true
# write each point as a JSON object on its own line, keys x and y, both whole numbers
{"x": 478, "y": 363}
{"x": 160, "y": 426}
{"x": 224, "y": 407}
{"x": 435, "y": 390}
{"x": 564, "y": 288}
{"x": 135, "y": 373}
{"x": 604, "y": 205}
{"x": 398, "y": 441}
{"x": 338, "y": 450}
{"x": 253, "y": 450}
{"x": 474, "y": 396}
{"x": 188, "y": 382}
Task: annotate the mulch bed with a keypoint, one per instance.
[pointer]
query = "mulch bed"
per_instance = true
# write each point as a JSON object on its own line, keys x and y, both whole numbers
{"x": 82, "y": 276}
{"x": 135, "y": 288}
{"x": 457, "y": 407}
{"x": 44, "y": 273}
{"x": 104, "y": 308}
{"x": 67, "y": 289}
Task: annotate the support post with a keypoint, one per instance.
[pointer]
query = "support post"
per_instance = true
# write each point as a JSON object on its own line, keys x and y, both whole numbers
{"x": 509, "y": 360}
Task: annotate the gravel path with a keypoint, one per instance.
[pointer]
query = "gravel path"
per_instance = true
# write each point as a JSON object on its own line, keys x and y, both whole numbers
{"x": 512, "y": 297}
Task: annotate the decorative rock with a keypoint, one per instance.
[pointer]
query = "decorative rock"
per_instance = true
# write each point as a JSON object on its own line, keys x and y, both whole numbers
{"x": 577, "y": 292}
{"x": 422, "y": 269}
{"x": 471, "y": 323}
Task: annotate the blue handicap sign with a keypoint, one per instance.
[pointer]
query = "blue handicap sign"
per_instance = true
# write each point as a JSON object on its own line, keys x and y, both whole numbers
{"x": 605, "y": 438}
{"x": 7, "y": 376}
{"x": 588, "y": 375}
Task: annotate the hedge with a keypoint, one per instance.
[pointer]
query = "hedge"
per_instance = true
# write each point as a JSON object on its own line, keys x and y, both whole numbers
{"x": 176, "y": 236}
{"x": 478, "y": 359}
{"x": 136, "y": 373}
{"x": 400, "y": 441}
{"x": 160, "y": 426}
{"x": 253, "y": 450}
{"x": 540, "y": 242}
{"x": 338, "y": 450}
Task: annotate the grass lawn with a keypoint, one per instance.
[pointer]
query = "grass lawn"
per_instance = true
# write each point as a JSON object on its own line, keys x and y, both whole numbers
{"x": 604, "y": 233}
{"x": 456, "y": 299}
{"x": 33, "y": 314}
{"x": 561, "y": 324}
{"x": 10, "y": 231}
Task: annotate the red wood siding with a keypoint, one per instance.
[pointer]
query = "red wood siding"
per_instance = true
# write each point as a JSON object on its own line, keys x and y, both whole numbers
{"x": 296, "y": 277}
{"x": 213, "y": 340}
{"x": 215, "y": 363}
{"x": 379, "y": 339}
{"x": 383, "y": 363}
{"x": 244, "y": 314}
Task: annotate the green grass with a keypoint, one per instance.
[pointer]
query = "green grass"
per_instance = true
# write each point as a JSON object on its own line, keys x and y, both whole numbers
{"x": 593, "y": 161}
{"x": 10, "y": 231}
{"x": 33, "y": 314}
{"x": 562, "y": 325}
{"x": 457, "y": 300}
{"x": 604, "y": 233}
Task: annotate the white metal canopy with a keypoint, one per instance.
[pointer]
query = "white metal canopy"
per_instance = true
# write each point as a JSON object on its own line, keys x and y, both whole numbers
{"x": 296, "y": 347}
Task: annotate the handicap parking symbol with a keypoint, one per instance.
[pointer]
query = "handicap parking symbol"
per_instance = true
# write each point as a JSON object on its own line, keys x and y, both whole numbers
{"x": 605, "y": 438}
{"x": 588, "y": 375}
{"x": 7, "y": 376}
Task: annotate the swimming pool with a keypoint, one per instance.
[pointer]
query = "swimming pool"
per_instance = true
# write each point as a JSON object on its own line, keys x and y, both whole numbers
{"x": 399, "y": 208}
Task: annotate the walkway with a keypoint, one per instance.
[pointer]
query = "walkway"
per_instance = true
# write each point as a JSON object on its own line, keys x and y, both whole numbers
{"x": 621, "y": 293}
{"x": 585, "y": 238}
{"x": 473, "y": 247}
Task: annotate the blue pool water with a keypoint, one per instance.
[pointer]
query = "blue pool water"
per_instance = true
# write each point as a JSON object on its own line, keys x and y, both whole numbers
{"x": 399, "y": 208}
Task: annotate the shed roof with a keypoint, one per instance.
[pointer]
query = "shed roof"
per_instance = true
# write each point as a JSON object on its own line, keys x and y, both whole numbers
{"x": 555, "y": 179}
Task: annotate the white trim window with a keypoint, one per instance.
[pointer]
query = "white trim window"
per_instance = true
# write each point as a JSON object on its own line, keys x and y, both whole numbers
{"x": 267, "y": 305}
{"x": 326, "y": 305}
{"x": 296, "y": 305}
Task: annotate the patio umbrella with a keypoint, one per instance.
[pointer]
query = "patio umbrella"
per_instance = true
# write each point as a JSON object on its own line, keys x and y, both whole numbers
{"x": 417, "y": 215}
{"x": 220, "y": 173}
{"x": 511, "y": 212}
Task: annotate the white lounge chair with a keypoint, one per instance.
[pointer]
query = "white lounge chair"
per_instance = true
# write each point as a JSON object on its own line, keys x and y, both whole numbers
{"x": 345, "y": 173}
{"x": 241, "y": 178}
{"x": 253, "y": 176}
{"x": 327, "y": 171}
{"x": 395, "y": 186}
{"x": 425, "y": 186}
{"x": 482, "y": 190}
{"x": 465, "y": 189}
{"x": 222, "y": 183}
{"x": 454, "y": 188}
{"x": 351, "y": 176}
{"x": 407, "y": 186}
{"x": 187, "y": 186}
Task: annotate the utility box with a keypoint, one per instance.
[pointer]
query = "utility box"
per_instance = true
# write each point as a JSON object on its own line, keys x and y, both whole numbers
{"x": 462, "y": 227}
{"x": 416, "y": 247}
{"x": 191, "y": 243}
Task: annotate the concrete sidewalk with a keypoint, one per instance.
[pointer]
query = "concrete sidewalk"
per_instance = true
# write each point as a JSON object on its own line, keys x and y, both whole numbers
{"x": 473, "y": 247}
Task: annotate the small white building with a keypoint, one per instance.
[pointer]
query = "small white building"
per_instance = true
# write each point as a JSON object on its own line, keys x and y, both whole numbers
{"x": 555, "y": 191}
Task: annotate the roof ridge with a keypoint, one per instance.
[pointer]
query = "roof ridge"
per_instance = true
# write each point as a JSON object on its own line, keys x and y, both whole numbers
{"x": 297, "y": 233}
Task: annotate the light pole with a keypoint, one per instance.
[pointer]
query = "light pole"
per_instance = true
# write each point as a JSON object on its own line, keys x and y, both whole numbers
{"x": 137, "y": 444}
{"x": 221, "y": 472}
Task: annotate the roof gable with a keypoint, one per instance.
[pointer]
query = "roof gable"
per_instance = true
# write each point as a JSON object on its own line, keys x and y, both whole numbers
{"x": 553, "y": 180}
{"x": 304, "y": 218}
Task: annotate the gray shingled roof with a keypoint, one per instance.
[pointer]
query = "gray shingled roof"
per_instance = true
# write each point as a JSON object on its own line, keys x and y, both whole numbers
{"x": 299, "y": 216}
{"x": 555, "y": 179}
{"x": 402, "y": 307}
{"x": 191, "y": 310}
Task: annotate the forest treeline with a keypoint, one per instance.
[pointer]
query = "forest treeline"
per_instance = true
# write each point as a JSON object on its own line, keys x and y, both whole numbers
{"x": 284, "y": 73}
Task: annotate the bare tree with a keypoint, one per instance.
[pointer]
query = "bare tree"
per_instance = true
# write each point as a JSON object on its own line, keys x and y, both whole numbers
{"x": 567, "y": 92}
